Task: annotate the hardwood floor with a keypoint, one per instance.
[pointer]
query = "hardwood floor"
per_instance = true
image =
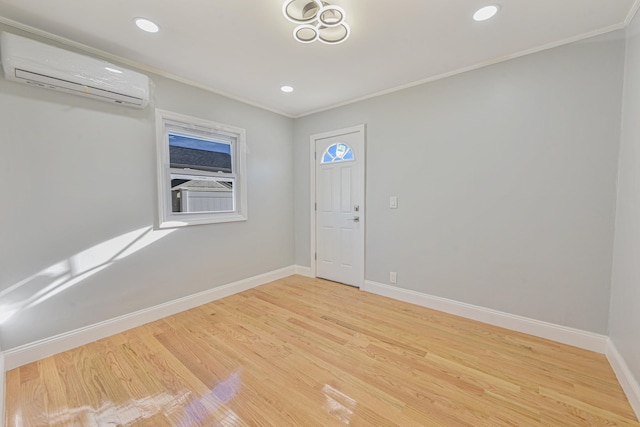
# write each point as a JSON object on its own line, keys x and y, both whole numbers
{"x": 306, "y": 352}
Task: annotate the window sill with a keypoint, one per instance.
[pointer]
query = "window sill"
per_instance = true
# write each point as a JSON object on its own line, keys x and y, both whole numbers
{"x": 193, "y": 220}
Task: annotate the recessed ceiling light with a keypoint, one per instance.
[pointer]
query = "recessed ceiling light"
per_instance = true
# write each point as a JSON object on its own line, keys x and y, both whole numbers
{"x": 286, "y": 89}
{"x": 146, "y": 25}
{"x": 486, "y": 12}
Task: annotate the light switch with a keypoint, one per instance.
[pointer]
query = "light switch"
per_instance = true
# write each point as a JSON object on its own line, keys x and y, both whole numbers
{"x": 393, "y": 202}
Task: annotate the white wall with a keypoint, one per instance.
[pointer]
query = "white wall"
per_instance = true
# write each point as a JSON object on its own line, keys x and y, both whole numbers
{"x": 76, "y": 173}
{"x": 624, "y": 328}
{"x": 505, "y": 178}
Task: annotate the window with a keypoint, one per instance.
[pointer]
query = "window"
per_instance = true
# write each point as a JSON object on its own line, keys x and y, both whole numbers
{"x": 337, "y": 153}
{"x": 201, "y": 171}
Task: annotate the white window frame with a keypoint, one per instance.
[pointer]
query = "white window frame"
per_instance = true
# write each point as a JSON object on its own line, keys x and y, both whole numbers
{"x": 166, "y": 217}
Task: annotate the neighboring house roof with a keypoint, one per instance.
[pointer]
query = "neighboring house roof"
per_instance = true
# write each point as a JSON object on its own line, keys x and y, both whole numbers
{"x": 200, "y": 185}
{"x": 211, "y": 161}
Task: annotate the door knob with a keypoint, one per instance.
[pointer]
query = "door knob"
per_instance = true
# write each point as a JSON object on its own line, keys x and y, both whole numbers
{"x": 355, "y": 219}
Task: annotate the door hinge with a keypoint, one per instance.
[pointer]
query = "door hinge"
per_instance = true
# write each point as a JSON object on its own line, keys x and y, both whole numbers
{"x": 316, "y": 206}
{"x": 315, "y": 256}
{"x": 315, "y": 156}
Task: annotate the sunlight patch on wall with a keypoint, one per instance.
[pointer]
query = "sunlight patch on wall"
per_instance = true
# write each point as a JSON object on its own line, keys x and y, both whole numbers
{"x": 69, "y": 272}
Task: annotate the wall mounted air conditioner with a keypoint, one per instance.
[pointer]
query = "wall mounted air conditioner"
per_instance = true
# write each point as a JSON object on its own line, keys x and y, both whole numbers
{"x": 38, "y": 64}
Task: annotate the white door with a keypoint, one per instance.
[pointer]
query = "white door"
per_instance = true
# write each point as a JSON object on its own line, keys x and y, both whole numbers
{"x": 339, "y": 209}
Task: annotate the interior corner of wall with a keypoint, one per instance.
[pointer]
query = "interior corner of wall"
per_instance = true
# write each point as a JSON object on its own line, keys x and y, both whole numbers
{"x": 630, "y": 384}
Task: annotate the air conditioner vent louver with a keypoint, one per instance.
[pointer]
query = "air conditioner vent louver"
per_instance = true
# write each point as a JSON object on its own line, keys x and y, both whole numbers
{"x": 38, "y": 64}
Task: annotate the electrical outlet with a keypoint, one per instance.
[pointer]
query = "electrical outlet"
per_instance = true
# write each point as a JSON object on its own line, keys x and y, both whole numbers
{"x": 393, "y": 277}
{"x": 393, "y": 202}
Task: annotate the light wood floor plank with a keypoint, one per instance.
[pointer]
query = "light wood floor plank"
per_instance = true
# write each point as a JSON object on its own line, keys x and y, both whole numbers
{"x": 307, "y": 352}
{"x": 54, "y": 392}
{"x": 32, "y": 396}
{"x": 81, "y": 413}
{"x": 13, "y": 408}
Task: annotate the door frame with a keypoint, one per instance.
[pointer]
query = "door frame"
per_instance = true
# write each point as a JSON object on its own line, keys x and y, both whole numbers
{"x": 360, "y": 129}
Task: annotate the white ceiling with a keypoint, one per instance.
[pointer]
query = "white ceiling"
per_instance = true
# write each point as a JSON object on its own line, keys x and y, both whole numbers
{"x": 245, "y": 48}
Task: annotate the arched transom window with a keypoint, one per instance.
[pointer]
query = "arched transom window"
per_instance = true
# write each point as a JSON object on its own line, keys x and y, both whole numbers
{"x": 337, "y": 153}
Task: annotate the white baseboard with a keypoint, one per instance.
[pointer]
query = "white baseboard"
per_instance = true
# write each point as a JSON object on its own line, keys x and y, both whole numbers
{"x": 628, "y": 382}
{"x": 303, "y": 271}
{"x": 31, "y": 352}
{"x": 550, "y": 331}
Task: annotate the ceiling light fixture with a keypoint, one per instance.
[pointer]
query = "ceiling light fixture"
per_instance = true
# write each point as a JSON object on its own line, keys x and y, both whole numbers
{"x": 146, "y": 25}
{"x": 306, "y": 33}
{"x": 317, "y": 20}
{"x": 286, "y": 89}
{"x": 486, "y": 12}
